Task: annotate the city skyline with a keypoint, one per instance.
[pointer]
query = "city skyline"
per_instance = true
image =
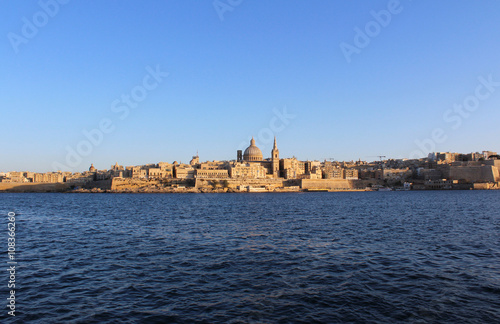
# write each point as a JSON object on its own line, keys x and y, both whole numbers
{"x": 161, "y": 81}
{"x": 251, "y": 171}
{"x": 266, "y": 156}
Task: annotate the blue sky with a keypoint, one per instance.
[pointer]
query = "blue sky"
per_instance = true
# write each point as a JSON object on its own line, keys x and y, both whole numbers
{"x": 228, "y": 78}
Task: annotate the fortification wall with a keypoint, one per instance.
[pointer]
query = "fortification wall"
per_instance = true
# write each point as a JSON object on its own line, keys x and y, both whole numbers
{"x": 101, "y": 184}
{"x": 486, "y": 173}
{"x": 235, "y": 183}
{"x": 130, "y": 184}
{"x": 332, "y": 184}
{"x": 34, "y": 187}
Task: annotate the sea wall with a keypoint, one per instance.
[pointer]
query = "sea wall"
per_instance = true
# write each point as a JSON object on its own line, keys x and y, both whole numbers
{"x": 34, "y": 187}
{"x": 238, "y": 183}
{"x": 487, "y": 186}
{"x": 101, "y": 184}
{"x": 333, "y": 184}
{"x": 131, "y": 184}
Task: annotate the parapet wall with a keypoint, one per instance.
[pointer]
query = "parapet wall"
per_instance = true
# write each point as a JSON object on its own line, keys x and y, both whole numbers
{"x": 235, "y": 183}
{"x": 331, "y": 184}
{"x": 135, "y": 184}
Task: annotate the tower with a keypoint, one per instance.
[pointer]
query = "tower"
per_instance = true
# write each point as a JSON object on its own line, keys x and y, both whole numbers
{"x": 275, "y": 158}
{"x": 195, "y": 160}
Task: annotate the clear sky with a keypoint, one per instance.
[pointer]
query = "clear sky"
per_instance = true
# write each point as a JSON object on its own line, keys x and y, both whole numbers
{"x": 354, "y": 79}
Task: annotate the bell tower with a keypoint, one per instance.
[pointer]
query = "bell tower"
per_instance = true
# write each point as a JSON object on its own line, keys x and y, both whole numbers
{"x": 275, "y": 158}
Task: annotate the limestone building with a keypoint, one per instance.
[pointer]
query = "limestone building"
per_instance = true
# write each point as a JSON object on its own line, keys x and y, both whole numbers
{"x": 252, "y": 153}
{"x": 253, "y": 165}
{"x": 195, "y": 160}
{"x": 292, "y": 168}
{"x": 184, "y": 171}
{"x": 247, "y": 170}
{"x": 211, "y": 174}
{"x": 49, "y": 177}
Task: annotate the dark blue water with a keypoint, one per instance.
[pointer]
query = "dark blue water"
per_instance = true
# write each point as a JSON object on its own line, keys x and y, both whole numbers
{"x": 374, "y": 257}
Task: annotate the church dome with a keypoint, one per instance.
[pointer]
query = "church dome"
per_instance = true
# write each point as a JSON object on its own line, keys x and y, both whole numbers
{"x": 252, "y": 153}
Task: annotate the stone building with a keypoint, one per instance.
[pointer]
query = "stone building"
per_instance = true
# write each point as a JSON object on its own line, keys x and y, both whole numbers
{"x": 213, "y": 165}
{"x": 487, "y": 154}
{"x": 332, "y": 171}
{"x": 397, "y": 174}
{"x": 247, "y": 170}
{"x": 253, "y": 165}
{"x": 314, "y": 172}
{"x": 252, "y": 153}
{"x": 167, "y": 168}
{"x": 351, "y": 174}
{"x": 138, "y": 172}
{"x": 117, "y": 167}
{"x": 195, "y": 160}
{"x": 49, "y": 177}
{"x": 157, "y": 173}
{"x": 184, "y": 171}
{"x": 292, "y": 168}
{"x": 335, "y": 171}
{"x": 211, "y": 174}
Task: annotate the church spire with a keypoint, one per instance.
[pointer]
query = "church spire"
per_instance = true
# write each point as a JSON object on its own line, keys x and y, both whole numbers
{"x": 275, "y": 153}
{"x": 275, "y": 158}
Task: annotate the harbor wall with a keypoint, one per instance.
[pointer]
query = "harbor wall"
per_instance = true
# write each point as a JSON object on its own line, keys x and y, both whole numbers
{"x": 34, "y": 187}
{"x": 236, "y": 183}
{"x": 332, "y": 184}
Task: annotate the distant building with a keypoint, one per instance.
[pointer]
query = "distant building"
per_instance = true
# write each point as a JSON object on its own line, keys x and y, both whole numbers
{"x": 139, "y": 173}
{"x": 51, "y": 177}
{"x": 487, "y": 154}
{"x": 155, "y": 173}
{"x": 447, "y": 157}
{"x": 351, "y": 174}
{"x": 211, "y": 174}
{"x": 334, "y": 171}
{"x": 292, "y": 168}
{"x": 247, "y": 170}
{"x": 252, "y": 153}
{"x": 195, "y": 160}
{"x": 184, "y": 171}
{"x": 397, "y": 174}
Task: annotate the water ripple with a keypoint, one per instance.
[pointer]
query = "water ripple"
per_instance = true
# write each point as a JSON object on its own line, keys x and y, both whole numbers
{"x": 415, "y": 257}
